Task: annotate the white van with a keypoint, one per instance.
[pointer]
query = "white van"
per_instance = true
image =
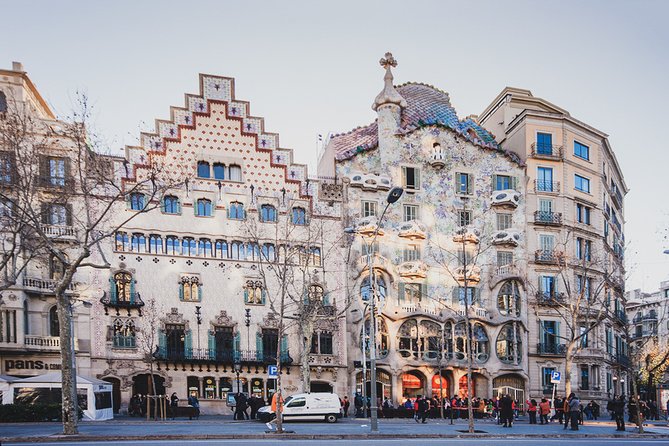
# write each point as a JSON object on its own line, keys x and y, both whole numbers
{"x": 309, "y": 406}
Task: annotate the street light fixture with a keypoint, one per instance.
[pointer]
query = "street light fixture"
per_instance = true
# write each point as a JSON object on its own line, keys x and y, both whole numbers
{"x": 247, "y": 322}
{"x": 238, "y": 368}
{"x": 394, "y": 195}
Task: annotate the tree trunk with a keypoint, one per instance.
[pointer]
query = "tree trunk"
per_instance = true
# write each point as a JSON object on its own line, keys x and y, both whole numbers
{"x": 568, "y": 360}
{"x": 635, "y": 395}
{"x": 68, "y": 366}
{"x": 307, "y": 332}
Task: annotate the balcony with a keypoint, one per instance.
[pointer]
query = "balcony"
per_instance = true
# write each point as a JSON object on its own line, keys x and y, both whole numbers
{"x": 552, "y": 349}
{"x": 213, "y": 356}
{"x": 503, "y": 272}
{"x": 547, "y": 218}
{"x": 472, "y": 273}
{"x": 550, "y": 299}
{"x": 544, "y": 186}
{"x": 645, "y": 317}
{"x": 623, "y": 361}
{"x": 507, "y": 237}
{"x": 548, "y": 257}
{"x": 412, "y": 230}
{"x": 415, "y": 269}
{"x": 416, "y": 308}
{"x": 59, "y": 231}
{"x": 44, "y": 286}
{"x": 546, "y": 152}
{"x": 463, "y": 235}
{"x": 378, "y": 261}
{"x": 45, "y": 343}
{"x": 438, "y": 158}
{"x": 370, "y": 181}
{"x": 507, "y": 197}
{"x": 368, "y": 226}
{"x": 643, "y": 334}
{"x": 134, "y": 301}
{"x": 58, "y": 183}
{"x": 620, "y": 316}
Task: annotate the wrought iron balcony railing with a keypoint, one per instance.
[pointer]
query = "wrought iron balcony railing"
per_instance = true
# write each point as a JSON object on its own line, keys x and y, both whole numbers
{"x": 550, "y": 298}
{"x": 546, "y": 186}
{"x": 548, "y": 218}
{"x": 220, "y": 356}
{"x": 553, "y": 349}
{"x": 546, "y": 151}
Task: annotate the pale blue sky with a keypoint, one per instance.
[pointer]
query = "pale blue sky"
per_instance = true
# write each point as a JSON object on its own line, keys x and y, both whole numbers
{"x": 312, "y": 67}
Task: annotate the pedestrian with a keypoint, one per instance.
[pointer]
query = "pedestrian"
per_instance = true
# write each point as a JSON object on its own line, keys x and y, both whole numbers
{"x": 532, "y": 411}
{"x": 544, "y": 410}
{"x": 559, "y": 409}
{"x": 346, "y": 406}
{"x": 358, "y": 403}
{"x": 416, "y": 409}
{"x": 255, "y": 403}
{"x": 667, "y": 410}
{"x": 566, "y": 412}
{"x": 276, "y": 405}
{"x": 619, "y": 412}
{"x": 506, "y": 410}
{"x": 574, "y": 412}
{"x": 241, "y": 405}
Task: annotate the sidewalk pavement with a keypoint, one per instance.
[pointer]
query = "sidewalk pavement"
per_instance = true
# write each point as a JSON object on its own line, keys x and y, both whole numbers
{"x": 222, "y": 427}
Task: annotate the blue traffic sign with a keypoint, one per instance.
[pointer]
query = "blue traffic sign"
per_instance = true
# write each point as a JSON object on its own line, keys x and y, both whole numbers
{"x": 272, "y": 371}
{"x": 556, "y": 377}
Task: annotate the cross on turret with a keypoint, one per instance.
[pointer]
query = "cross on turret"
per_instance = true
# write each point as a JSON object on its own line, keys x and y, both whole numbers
{"x": 388, "y": 61}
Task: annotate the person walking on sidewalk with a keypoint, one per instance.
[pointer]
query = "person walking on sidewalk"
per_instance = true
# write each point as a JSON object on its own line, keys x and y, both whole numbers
{"x": 574, "y": 411}
{"x": 544, "y": 410}
{"x": 532, "y": 411}
{"x": 506, "y": 410}
{"x": 559, "y": 409}
{"x": 619, "y": 413}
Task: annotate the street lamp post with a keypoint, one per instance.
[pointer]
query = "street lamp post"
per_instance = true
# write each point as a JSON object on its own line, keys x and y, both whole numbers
{"x": 238, "y": 368}
{"x": 247, "y": 322}
{"x": 198, "y": 318}
{"x": 394, "y": 195}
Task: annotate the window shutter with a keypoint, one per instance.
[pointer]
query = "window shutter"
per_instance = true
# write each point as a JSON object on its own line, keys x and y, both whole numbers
{"x": 162, "y": 205}
{"x": 326, "y": 299}
{"x": 188, "y": 344}
{"x": 478, "y": 297}
{"x": 284, "y": 347}
{"x": 181, "y": 291}
{"x": 199, "y": 293}
{"x": 196, "y": 208}
{"x": 132, "y": 290}
{"x": 457, "y": 183}
{"x": 400, "y": 293}
{"x": 423, "y": 292}
{"x": 557, "y": 332}
{"x": 44, "y": 211}
{"x": 237, "y": 345}
{"x": 456, "y": 295}
{"x": 417, "y": 177}
{"x": 227, "y": 212}
{"x": 178, "y": 206}
{"x": 68, "y": 179}
{"x": 128, "y": 201}
{"x": 246, "y": 295}
{"x": 514, "y": 183}
{"x": 470, "y": 184}
{"x": 112, "y": 290}
{"x": 494, "y": 182}
{"x": 263, "y": 296}
{"x": 211, "y": 344}
{"x": 43, "y": 170}
{"x": 162, "y": 343}
{"x": 259, "y": 346}
{"x": 68, "y": 215}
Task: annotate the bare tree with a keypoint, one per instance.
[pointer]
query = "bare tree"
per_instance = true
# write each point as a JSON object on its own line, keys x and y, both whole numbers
{"x": 68, "y": 193}
{"x": 147, "y": 335}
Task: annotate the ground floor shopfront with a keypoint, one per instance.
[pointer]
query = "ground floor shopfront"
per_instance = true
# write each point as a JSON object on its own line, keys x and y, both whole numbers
{"x": 410, "y": 382}
{"x": 212, "y": 385}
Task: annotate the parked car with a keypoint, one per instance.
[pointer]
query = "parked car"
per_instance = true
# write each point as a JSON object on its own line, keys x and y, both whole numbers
{"x": 315, "y": 406}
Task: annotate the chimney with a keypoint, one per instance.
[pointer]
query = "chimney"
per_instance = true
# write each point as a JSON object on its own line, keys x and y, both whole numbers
{"x": 17, "y": 66}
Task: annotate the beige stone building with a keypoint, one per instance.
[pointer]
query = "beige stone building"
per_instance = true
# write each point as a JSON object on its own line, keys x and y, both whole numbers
{"x": 29, "y": 326}
{"x": 575, "y": 240}
{"x": 464, "y": 198}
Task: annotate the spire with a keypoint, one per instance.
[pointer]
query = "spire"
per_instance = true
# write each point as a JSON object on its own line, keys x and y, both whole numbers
{"x": 388, "y": 95}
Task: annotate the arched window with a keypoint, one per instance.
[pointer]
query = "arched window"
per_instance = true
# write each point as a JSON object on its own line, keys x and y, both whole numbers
{"x": 155, "y": 244}
{"x": 508, "y": 299}
{"x": 509, "y": 344}
{"x": 205, "y": 248}
{"x": 188, "y": 246}
{"x": 268, "y": 252}
{"x": 203, "y": 208}
{"x": 299, "y": 216}
{"x": 407, "y": 339}
{"x": 315, "y": 294}
{"x": 171, "y": 205}
{"x": 172, "y": 245}
{"x": 122, "y": 242}
{"x": 236, "y": 250}
{"x": 54, "y": 324}
{"x": 190, "y": 289}
{"x": 236, "y": 211}
{"x": 203, "y": 170}
{"x": 219, "y": 171}
{"x": 252, "y": 251}
{"x": 122, "y": 287}
{"x": 138, "y": 243}
{"x": 382, "y": 337}
{"x": 235, "y": 172}
{"x": 429, "y": 341}
{"x": 481, "y": 344}
{"x": 221, "y": 249}
{"x": 3, "y": 102}
{"x": 123, "y": 333}
{"x": 315, "y": 256}
{"x": 267, "y": 213}
{"x": 136, "y": 201}
{"x": 366, "y": 290}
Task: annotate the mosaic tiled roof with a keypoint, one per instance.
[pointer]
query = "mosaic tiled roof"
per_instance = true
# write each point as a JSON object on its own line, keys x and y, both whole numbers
{"x": 426, "y": 105}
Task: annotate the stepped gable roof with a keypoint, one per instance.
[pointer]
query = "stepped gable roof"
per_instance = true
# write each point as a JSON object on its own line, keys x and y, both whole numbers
{"x": 426, "y": 105}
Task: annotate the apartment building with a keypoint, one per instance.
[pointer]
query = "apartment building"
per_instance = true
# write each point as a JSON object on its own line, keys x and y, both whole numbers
{"x": 575, "y": 240}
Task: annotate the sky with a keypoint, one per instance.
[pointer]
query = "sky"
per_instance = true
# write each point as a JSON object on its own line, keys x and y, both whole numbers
{"x": 311, "y": 68}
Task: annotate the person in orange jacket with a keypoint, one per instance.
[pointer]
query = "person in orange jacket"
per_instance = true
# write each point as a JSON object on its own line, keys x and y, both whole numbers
{"x": 544, "y": 410}
{"x": 274, "y": 409}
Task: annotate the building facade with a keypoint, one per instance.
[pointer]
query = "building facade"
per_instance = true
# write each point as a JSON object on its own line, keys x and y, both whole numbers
{"x": 29, "y": 324}
{"x": 454, "y": 238}
{"x": 201, "y": 271}
{"x": 575, "y": 236}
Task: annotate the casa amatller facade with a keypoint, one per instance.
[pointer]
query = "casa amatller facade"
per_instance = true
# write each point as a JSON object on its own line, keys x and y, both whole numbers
{"x": 202, "y": 271}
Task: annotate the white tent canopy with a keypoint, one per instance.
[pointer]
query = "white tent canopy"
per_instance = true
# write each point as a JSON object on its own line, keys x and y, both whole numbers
{"x": 95, "y": 395}
{"x": 5, "y": 391}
